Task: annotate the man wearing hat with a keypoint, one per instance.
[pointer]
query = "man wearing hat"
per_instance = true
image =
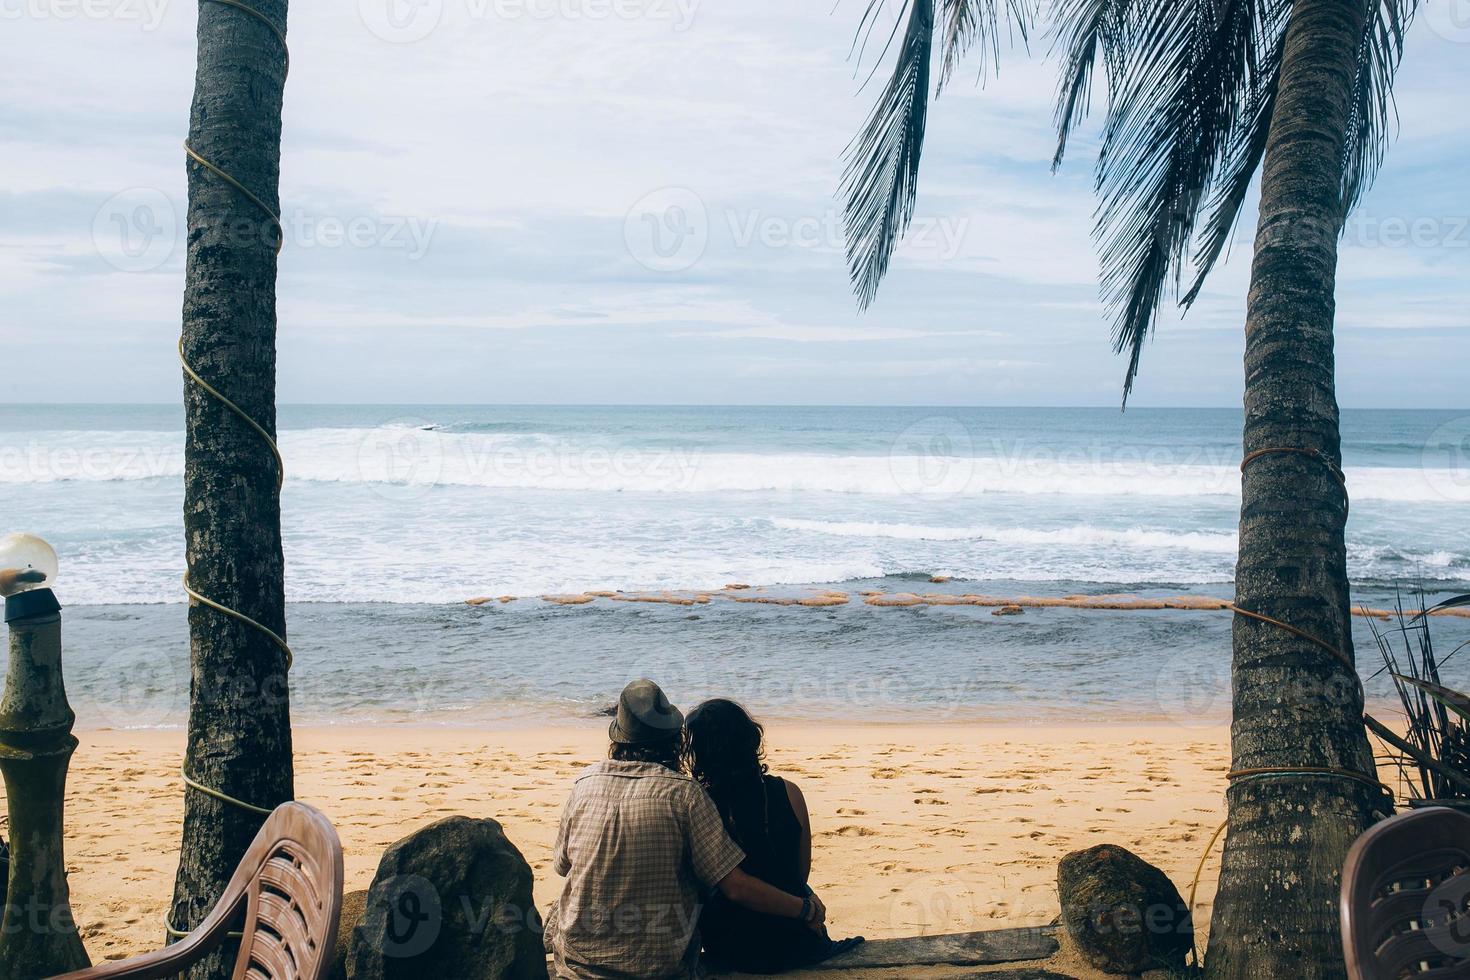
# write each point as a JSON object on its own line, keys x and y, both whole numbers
{"x": 640, "y": 844}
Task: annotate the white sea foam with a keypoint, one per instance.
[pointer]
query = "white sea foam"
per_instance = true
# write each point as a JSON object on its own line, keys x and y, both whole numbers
{"x": 1201, "y": 541}
{"x": 411, "y": 513}
{"x": 408, "y": 455}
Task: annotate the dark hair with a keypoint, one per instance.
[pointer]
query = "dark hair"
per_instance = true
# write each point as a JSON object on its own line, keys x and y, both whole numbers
{"x": 667, "y": 752}
{"x": 727, "y": 757}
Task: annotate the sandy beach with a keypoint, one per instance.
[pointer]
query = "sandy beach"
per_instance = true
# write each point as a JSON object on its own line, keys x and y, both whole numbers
{"x": 919, "y": 829}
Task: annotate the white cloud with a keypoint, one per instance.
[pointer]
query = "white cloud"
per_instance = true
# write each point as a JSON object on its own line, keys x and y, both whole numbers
{"x": 523, "y": 132}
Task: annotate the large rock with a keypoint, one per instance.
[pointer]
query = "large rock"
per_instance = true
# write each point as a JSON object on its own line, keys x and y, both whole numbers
{"x": 1124, "y": 915}
{"x": 353, "y": 906}
{"x": 450, "y": 902}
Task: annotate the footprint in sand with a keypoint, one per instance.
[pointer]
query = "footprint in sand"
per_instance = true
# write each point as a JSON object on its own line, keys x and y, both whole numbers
{"x": 852, "y": 830}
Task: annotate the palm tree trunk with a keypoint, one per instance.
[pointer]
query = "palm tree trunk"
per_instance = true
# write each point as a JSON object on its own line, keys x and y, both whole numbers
{"x": 1295, "y": 704}
{"x": 239, "y": 712}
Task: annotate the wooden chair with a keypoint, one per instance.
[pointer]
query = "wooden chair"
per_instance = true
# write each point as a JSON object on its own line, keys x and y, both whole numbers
{"x": 1405, "y": 888}
{"x": 290, "y": 886}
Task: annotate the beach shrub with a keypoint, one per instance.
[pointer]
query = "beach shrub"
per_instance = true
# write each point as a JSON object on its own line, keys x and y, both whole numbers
{"x": 1433, "y": 754}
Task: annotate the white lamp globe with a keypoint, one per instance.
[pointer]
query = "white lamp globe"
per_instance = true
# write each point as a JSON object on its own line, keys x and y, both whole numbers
{"x": 26, "y": 563}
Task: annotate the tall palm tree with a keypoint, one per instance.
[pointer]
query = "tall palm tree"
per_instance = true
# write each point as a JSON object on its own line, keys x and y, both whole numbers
{"x": 1201, "y": 96}
{"x": 239, "y": 741}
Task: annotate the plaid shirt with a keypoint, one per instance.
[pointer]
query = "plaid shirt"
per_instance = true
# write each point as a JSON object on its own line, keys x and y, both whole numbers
{"x": 638, "y": 846}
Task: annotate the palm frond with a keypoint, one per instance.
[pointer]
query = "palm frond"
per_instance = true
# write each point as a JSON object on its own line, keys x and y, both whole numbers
{"x": 1435, "y": 733}
{"x": 880, "y": 181}
{"x": 1176, "y": 111}
{"x": 880, "y": 176}
{"x": 1369, "y": 127}
{"x": 1374, "y": 116}
{"x": 1086, "y": 29}
{"x": 1455, "y": 602}
{"x": 1449, "y": 698}
{"x": 1428, "y": 762}
{"x": 965, "y": 22}
{"x": 1237, "y": 173}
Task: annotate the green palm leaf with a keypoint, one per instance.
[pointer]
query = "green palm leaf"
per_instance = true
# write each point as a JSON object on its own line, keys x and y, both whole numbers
{"x": 1454, "y": 603}
{"x": 880, "y": 182}
{"x": 1177, "y": 109}
{"x": 1191, "y": 88}
{"x": 1454, "y": 700}
{"x": 880, "y": 177}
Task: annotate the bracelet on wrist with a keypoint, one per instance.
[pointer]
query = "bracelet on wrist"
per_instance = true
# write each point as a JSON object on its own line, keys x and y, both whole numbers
{"x": 806, "y": 909}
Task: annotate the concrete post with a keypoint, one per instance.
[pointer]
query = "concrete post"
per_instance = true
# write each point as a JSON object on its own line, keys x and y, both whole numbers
{"x": 38, "y": 937}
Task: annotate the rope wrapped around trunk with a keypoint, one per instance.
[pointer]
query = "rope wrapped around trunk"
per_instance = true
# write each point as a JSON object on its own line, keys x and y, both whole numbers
{"x": 196, "y": 598}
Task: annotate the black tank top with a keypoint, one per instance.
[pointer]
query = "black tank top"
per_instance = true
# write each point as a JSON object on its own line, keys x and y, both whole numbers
{"x": 773, "y": 855}
{"x": 749, "y": 941}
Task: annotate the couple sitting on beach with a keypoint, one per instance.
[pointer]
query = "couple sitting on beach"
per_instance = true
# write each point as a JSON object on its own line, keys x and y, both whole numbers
{"x": 659, "y": 863}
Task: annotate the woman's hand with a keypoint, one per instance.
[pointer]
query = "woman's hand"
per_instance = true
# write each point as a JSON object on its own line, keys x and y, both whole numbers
{"x": 817, "y": 918}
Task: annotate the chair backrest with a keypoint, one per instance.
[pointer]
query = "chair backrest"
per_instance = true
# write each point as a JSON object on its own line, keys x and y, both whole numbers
{"x": 1406, "y": 898}
{"x": 293, "y": 897}
{"x": 289, "y": 885}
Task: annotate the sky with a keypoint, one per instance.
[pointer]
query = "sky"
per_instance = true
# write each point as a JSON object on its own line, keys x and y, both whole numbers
{"x": 635, "y": 201}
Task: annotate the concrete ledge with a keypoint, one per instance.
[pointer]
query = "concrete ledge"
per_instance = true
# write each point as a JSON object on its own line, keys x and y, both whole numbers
{"x": 958, "y": 949}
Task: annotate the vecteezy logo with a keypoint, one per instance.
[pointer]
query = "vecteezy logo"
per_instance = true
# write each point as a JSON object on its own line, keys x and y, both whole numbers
{"x": 404, "y": 916}
{"x": 1450, "y": 19}
{"x": 1445, "y": 918}
{"x": 1446, "y": 459}
{"x": 148, "y": 690}
{"x": 933, "y": 906}
{"x": 401, "y": 21}
{"x": 934, "y": 455}
{"x": 401, "y": 460}
{"x": 1193, "y": 688}
{"x": 136, "y": 230}
{"x": 667, "y": 230}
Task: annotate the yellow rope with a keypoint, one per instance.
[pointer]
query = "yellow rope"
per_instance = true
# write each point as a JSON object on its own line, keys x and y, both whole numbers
{"x": 280, "y": 35}
{"x": 1194, "y": 886}
{"x": 173, "y": 933}
{"x": 1298, "y": 632}
{"x": 222, "y": 175}
{"x": 275, "y": 218}
{"x": 236, "y": 614}
{"x": 223, "y": 797}
{"x": 259, "y": 429}
{"x": 1240, "y": 774}
{"x": 196, "y": 597}
{"x": 1321, "y": 457}
{"x": 1268, "y": 772}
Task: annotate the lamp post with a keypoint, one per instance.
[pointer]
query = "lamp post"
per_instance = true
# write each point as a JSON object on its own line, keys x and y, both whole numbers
{"x": 38, "y": 936}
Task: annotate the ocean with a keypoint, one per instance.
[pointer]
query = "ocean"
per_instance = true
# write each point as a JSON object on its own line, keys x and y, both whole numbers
{"x": 394, "y": 515}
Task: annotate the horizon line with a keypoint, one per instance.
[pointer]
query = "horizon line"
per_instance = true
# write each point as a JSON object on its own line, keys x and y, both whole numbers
{"x": 672, "y": 405}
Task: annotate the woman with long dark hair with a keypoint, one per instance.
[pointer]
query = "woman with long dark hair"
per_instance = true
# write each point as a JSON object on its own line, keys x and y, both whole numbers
{"x": 767, "y": 817}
